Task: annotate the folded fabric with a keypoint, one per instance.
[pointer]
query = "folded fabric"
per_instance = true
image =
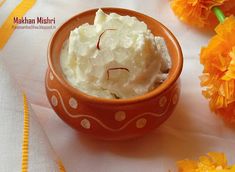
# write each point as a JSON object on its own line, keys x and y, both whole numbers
{"x": 24, "y": 147}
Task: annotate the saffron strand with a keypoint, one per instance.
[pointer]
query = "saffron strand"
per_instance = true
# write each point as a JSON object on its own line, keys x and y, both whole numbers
{"x": 98, "y": 43}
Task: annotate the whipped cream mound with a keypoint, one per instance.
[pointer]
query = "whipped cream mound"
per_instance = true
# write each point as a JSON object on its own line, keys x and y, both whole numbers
{"x": 116, "y": 57}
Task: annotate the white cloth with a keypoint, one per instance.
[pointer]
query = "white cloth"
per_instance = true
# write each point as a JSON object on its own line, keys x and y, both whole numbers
{"x": 41, "y": 157}
{"x": 191, "y": 131}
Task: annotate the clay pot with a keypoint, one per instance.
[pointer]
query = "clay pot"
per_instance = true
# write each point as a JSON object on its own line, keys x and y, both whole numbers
{"x": 112, "y": 119}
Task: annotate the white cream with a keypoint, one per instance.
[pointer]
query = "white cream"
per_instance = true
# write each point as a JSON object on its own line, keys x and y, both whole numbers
{"x": 125, "y": 43}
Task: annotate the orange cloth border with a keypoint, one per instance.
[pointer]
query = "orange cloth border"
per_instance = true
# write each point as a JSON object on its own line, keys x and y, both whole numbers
{"x": 25, "y": 145}
{"x": 61, "y": 166}
{"x": 8, "y": 27}
{"x": 2, "y": 2}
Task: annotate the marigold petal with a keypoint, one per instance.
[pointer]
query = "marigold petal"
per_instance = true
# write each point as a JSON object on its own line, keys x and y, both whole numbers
{"x": 187, "y": 165}
{"x": 218, "y": 159}
{"x": 227, "y": 113}
{"x": 218, "y": 77}
{"x": 230, "y": 74}
{"x": 212, "y": 162}
{"x": 196, "y": 12}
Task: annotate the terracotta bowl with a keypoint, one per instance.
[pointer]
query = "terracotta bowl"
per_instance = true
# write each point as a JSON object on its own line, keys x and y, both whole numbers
{"x": 112, "y": 119}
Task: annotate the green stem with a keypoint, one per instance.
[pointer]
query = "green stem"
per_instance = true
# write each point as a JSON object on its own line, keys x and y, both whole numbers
{"x": 219, "y": 14}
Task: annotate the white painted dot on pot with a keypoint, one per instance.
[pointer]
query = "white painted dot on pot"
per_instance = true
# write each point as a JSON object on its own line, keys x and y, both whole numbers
{"x": 73, "y": 103}
{"x": 175, "y": 98}
{"x": 140, "y": 123}
{"x": 51, "y": 76}
{"x": 54, "y": 100}
{"x": 162, "y": 101}
{"x": 85, "y": 123}
{"x": 120, "y": 116}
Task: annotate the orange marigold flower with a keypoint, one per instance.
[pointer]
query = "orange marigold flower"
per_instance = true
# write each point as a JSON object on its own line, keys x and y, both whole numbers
{"x": 212, "y": 162}
{"x": 196, "y": 12}
{"x": 218, "y": 78}
{"x": 228, "y": 7}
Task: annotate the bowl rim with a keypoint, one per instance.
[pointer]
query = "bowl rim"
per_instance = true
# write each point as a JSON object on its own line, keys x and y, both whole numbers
{"x": 171, "y": 78}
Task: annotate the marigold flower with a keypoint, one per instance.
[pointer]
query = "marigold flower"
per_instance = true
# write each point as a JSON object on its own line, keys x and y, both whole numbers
{"x": 196, "y": 12}
{"x": 218, "y": 78}
{"x": 228, "y": 7}
{"x": 212, "y": 162}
